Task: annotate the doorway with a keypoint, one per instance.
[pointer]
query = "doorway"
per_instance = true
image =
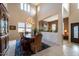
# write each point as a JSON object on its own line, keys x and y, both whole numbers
{"x": 75, "y": 32}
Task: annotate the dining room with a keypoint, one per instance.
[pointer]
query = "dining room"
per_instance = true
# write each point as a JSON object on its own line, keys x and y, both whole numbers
{"x": 25, "y": 37}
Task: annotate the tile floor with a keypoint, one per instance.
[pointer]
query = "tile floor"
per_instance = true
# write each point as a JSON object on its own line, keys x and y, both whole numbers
{"x": 70, "y": 49}
{"x": 11, "y": 49}
{"x": 55, "y": 50}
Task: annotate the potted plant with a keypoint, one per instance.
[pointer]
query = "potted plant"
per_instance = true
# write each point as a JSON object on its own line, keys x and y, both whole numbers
{"x": 35, "y": 31}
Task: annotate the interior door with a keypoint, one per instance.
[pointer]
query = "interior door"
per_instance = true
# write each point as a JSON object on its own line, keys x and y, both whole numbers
{"x": 75, "y": 32}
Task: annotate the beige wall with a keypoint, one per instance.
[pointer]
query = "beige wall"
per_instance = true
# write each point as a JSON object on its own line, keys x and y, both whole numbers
{"x": 73, "y": 16}
{"x": 16, "y": 15}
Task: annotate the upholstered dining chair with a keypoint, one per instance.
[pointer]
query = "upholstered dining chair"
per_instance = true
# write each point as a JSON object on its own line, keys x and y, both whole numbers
{"x": 37, "y": 44}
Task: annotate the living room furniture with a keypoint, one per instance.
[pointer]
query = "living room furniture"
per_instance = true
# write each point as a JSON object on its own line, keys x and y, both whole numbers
{"x": 4, "y": 37}
{"x": 65, "y": 37}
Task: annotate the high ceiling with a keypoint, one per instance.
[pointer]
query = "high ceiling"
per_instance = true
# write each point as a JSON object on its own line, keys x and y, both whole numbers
{"x": 35, "y": 4}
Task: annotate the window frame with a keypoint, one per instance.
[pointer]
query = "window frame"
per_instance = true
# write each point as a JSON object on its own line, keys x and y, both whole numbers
{"x": 25, "y": 27}
{"x": 21, "y": 26}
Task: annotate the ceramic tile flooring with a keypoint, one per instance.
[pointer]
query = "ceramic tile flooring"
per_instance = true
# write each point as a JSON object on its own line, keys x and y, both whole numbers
{"x": 11, "y": 49}
{"x": 70, "y": 49}
{"x": 55, "y": 50}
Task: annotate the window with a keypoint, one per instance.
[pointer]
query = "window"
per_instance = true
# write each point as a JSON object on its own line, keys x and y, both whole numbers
{"x": 25, "y": 7}
{"x": 32, "y": 11}
{"x": 28, "y": 27}
{"x": 63, "y": 27}
{"x": 2, "y": 26}
{"x": 53, "y": 27}
{"x": 78, "y": 5}
{"x": 38, "y": 8}
{"x": 76, "y": 32}
{"x": 21, "y": 27}
{"x": 66, "y": 6}
{"x": 45, "y": 26}
{"x": 29, "y": 8}
{"x": 24, "y": 27}
{"x": 21, "y": 5}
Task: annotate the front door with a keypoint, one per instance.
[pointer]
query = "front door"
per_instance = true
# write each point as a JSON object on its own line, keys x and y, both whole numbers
{"x": 75, "y": 32}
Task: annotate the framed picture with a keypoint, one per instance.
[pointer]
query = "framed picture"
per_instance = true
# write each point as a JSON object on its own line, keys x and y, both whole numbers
{"x": 12, "y": 27}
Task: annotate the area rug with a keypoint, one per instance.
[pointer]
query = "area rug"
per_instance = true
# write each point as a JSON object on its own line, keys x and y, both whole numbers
{"x": 19, "y": 52}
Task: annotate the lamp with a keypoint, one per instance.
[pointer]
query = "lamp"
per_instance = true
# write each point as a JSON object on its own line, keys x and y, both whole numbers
{"x": 65, "y": 31}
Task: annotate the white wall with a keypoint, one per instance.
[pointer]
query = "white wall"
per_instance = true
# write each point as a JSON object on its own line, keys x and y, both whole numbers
{"x": 48, "y": 9}
{"x": 65, "y": 13}
{"x": 50, "y": 36}
{"x": 73, "y": 17}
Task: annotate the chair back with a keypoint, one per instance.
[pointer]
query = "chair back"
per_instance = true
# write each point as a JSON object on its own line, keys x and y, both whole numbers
{"x": 38, "y": 38}
{"x": 37, "y": 43}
